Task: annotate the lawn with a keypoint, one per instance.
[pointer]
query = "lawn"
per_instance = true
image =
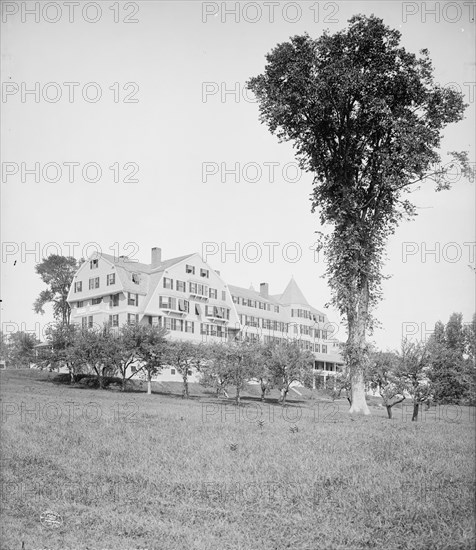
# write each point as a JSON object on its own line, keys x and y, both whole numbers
{"x": 90, "y": 469}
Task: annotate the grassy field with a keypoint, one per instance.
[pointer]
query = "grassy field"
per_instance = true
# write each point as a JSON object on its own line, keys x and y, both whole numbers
{"x": 90, "y": 469}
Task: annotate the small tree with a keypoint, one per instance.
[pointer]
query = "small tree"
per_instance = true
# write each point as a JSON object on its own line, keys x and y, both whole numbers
{"x": 93, "y": 348}
{"x": 215, "y": 369}
{"x": 288, "y": 363}
{"x": 21, "y": 348}
{"x": 65, "y": 348}
{"x": 57, "y": 272}
{"x": 184, "y": 355}
{"x": 412, "y": 373}
{"x": 383, "y": 379}
{"x": 151, "y": 350}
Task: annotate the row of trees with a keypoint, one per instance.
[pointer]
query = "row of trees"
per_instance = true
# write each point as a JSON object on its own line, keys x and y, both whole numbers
{"x": 441, "y": 370}
{"x": 145, "y": 350}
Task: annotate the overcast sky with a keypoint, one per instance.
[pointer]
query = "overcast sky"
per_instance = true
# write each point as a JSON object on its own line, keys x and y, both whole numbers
{"x": 165, "y": 118}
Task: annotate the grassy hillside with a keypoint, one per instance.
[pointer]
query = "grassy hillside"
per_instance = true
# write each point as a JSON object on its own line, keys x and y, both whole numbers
{"x": 90, "y": 469}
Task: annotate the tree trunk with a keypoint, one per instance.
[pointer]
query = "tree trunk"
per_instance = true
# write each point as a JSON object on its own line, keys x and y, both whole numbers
{"x": 359, "y": 403}
{"x": 185, "y": 386}
{"x": 263, "y": 391}
{"x": 357, "y": 325}
{"x": 101, "y": 378}
{"x": 71, "y": 375}
{"x": 149, "y": 383}
{"x": 389, "y": 411}
{"x": 123, "y": 382}
{"x": 237, "y": 397}
{"x": 416, "y": 406}
{"x": 284, "y": 393}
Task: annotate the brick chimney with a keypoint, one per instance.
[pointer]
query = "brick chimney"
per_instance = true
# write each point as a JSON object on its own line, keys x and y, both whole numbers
{"x": 264, "y": 290}
{"x": 156, "y": 256}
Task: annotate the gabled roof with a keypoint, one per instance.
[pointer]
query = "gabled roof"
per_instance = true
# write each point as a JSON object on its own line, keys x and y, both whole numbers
{"x": 251, "y": 293}
{"x": 169, "y": 263}
{"x": 293, "y": 295}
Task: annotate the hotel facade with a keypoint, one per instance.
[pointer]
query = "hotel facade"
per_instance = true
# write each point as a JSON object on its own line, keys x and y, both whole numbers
{"x": 191, "y": 300}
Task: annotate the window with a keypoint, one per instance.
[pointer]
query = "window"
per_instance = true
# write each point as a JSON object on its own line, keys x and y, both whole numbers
{"x": 276, "y": 309}
{"x": 317, "y": 348}
{"x": 189, "y": 326}
{"x": 197, "y": 310}
{"x": 93, "y": 264}
{"x": 324, "y": 334}
{"x": 190, "y": 269}
{"x": 204, "y": 272}
{"x": 111, "y": 279}
{"x": 79, "y": 304}
{"x": 113, "y": 320}
{"x": 235, "y": 299}
{"x": 78, "y": 287}
{"x": 198, "y": 290}
{"x": 90, "y": 321}
{"x": 324, "y": 348}
{"x": 168, "y": 283}
{"x": 132, "y": 299}
{"x": 93, "y": 283}
{"x": 135, "y": 278}
{"x": 213, "y": 293}
{"x": 183, "y": 305}
{"x": 321, "y": 318}
{"x": 172, "y": 371}
{"x": 132, "y": 318}
{"x": 180, "y": 286}
{"x": 96, "y": 301}
{"x": 84, "y": 322}
{"x": 223, "y": 295}
{"x": 167, "y": 302}
{"x": 114, "y": 300}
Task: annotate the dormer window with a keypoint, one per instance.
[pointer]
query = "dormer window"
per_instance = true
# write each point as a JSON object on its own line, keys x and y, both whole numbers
{"x": 93, "y": 264}
{"x": 204, "y": 273}
{"x": 190, "y": 269}
{"x": 135, "y": 278}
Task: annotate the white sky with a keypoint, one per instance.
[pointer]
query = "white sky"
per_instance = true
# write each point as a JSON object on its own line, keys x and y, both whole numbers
{"x": 173, "y": 129}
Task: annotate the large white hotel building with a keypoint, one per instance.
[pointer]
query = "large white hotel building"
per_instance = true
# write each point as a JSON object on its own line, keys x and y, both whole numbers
{"x": 193, "y": 302}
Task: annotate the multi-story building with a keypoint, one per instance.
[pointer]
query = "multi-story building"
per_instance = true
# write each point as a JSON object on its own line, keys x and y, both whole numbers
{"x": 190, "y": 299}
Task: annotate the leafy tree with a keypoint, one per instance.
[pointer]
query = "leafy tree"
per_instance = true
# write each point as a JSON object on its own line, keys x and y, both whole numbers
{"x": 383, "y": 379}
{"x": 288, "y": 363}
{"x": 65, "y": 348}
{"x": 365, "y": 117}
{"x": 124, "y": 348}
{"x": 21, "y": 348}
{"x": 151, "y": 351}
{"x": 57, "y": 272}
{"x": 92, "y": 349}
{"x": 215, "y": 370}
{"x": 412, "y": 373}
{"x": 184, "y": 355}
{"x": 452, "y": 369}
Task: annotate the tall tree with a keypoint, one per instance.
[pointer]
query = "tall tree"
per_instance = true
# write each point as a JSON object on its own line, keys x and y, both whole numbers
{"x": 452, "y": 368}
{"x": 57, "y": 272}
{"x": 365, "y": 117}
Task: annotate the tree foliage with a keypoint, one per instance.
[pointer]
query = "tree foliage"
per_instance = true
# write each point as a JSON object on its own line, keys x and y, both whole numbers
{"x": 365, "y": 117}
{"x": 57, "y": 272}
